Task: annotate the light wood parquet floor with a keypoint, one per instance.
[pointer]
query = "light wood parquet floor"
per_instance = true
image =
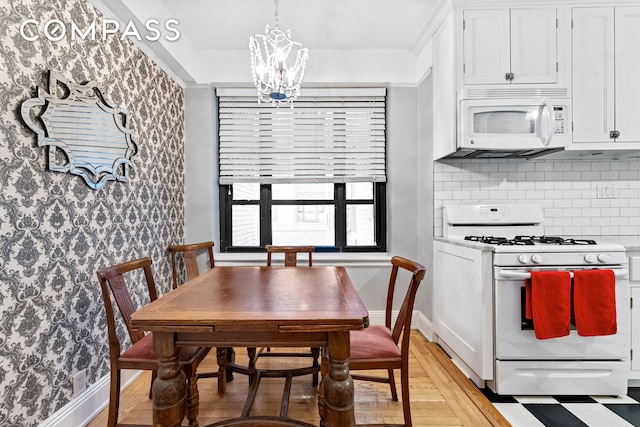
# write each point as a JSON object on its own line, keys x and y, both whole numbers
{"x": 440, "y": 395}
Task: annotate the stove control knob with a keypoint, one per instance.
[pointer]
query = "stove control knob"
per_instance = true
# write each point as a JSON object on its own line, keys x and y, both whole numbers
{"x": 604, "y": 257}
{"x": 590, "y": 258}
{"x": 537, "y": 259}
{"x": 523, "y": 259}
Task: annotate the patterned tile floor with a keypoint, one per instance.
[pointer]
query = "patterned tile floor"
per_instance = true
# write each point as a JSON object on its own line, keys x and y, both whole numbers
{"x": 569, "y": 411}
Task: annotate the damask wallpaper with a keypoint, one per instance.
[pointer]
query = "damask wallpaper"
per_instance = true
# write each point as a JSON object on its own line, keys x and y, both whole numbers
{"x": 55, "y": 231}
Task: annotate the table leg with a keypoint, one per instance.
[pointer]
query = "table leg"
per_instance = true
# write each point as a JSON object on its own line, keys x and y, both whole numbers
{"x": 170, "y": 387}
{"x": 337, "y": 389}
{"x": 251, "y": 354}
{"x": 221, "y": 357}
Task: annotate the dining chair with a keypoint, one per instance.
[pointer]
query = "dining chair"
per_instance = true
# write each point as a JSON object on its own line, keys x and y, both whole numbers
{"x": 290, "y": 260}
{"x": 186, "y": 256}
{"x": 290, "y": 254}
{"x": 189, "y": 253}
{"x": 381, "y": 347}
{"x": 140, "y": 354}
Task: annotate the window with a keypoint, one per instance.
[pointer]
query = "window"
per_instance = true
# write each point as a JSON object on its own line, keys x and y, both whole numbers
{"x": 351, "y": 219}
{"x": 313, "y": 174}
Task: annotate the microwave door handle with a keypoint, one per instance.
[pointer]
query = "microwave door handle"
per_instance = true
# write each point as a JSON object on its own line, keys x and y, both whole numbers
{"x": 546, "y": 117}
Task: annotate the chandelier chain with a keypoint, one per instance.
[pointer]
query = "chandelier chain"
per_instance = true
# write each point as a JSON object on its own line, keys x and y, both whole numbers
{"x": 276, "y": 14}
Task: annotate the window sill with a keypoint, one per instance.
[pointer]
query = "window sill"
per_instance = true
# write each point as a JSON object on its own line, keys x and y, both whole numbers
{"x": 345, "y": 259}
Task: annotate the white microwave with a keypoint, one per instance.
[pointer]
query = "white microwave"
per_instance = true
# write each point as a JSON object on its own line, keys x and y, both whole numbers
{"x": 514, "y": 124}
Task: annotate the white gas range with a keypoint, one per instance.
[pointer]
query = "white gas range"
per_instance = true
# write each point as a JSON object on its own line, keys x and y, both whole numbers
{"x": 481, "y": 266}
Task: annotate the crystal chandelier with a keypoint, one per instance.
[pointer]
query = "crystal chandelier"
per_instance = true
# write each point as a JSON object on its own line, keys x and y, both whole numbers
{"x": 276, "y": 80}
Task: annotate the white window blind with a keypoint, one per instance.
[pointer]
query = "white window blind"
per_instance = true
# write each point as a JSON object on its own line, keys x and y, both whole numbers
{"x": 330, "y": 135}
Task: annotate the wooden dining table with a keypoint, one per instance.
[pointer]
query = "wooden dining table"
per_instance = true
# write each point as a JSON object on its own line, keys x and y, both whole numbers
{"x": 253, "y": 307}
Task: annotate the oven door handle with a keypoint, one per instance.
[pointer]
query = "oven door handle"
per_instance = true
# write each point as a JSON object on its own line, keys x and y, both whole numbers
{"x": 523, "y": 275}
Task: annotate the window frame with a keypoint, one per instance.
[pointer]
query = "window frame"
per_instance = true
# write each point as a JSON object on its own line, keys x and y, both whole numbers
{"x": 340, "y": 202}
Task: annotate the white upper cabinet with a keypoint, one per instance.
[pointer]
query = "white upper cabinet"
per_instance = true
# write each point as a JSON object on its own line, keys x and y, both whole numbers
{"x": 627, "y": 57}
{"x": 444, "y": 88}
{"x": 606, "y": 66}
{"x": 593, "y": 74}
{"x": 534, "y": 36}
{"x": 486, "y": 47}
{"x": 510, "y": 46}
{"x": 635, "y": 327}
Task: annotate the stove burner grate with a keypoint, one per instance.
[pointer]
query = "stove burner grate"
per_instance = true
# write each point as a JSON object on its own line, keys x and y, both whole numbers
{"x": 529, "y": 240}
{"x": 502, "y": 241}
{"x": 562, "y": 241}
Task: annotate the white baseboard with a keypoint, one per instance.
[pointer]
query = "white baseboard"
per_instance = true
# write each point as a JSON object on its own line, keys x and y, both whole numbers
{"x": 88, "y": 404}
{"x": 423, "y": 325}
{"x": 95, "y": 398}
{"x": 376, "y": 317}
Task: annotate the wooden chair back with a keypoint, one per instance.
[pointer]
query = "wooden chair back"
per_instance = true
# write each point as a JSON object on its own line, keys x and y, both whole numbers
{"x": 290, "y": 254}
{"x": 112, "y": 281}
{"x": 402, "y": 326}
{"x": 189, "y": 255}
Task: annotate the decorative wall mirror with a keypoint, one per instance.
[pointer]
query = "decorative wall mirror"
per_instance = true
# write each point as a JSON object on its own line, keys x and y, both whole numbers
{"x": 86, "y": 134}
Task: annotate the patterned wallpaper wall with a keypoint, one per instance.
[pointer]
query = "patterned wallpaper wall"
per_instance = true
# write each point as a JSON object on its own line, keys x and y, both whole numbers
{"x": 55, "y": 232}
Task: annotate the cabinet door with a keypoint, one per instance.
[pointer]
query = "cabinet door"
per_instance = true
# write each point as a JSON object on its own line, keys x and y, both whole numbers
{"x": 444, "y": 99}
{"x": 462, "y": 310}
{"x": 486, "y": 45}
{"x": 593, "y": 74}
{"x": 635, "y": 328}
{"x": 627, "y": 65}
{"x": 533, "y": 45}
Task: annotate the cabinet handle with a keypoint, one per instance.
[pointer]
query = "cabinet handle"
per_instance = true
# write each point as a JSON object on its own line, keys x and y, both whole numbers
{"x": 508, "y": 76}
{"x": 614, "y": 134}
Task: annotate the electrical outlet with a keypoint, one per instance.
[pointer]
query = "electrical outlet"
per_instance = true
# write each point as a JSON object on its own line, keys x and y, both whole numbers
{"x": 79, "y": 383}
{"x": 606, "y": 191}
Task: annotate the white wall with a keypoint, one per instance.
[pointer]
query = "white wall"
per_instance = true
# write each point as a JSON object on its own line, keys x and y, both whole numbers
{"x": 200, "y": 156}
{"x": 402, "y": 172}
{"x": 201, "y": 199}
{"x": 425, "y": 192}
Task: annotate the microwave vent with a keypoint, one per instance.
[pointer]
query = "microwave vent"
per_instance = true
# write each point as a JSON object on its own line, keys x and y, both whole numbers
{"x": 523, "y": 93}
{"x": 465, "y": 153}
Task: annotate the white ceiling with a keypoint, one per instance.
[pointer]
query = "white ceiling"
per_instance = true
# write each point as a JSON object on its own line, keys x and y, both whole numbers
{"x": 317, "y": 24}
{"x": 350, "y": 41}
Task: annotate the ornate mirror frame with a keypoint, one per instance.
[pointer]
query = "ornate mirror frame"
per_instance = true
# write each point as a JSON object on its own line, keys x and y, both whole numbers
{"x": 87, "y": 135}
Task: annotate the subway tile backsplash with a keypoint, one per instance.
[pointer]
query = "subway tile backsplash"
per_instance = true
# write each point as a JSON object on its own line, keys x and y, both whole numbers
{"x": 579, "y": 197}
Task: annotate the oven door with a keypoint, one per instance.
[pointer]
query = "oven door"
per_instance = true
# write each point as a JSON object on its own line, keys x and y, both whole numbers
{"x": 515, "y": 339}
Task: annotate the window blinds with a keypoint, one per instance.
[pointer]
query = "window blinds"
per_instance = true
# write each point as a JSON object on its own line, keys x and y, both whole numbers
{"x": 330, "y": 135}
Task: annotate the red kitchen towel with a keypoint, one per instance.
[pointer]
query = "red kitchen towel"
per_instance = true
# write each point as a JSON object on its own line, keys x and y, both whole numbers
{"x": 594, "y": 302}
{"x": 549, "y": 303}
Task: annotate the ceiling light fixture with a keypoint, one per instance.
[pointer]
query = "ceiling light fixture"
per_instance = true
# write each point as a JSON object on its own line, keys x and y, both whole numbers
{"x": 276, "y": 80}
